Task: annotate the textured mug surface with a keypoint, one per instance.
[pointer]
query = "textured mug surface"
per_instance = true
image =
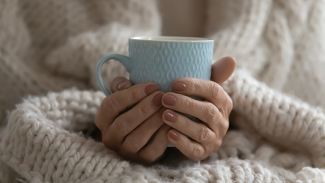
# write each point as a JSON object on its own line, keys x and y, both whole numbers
{"x": 164, "y": 59}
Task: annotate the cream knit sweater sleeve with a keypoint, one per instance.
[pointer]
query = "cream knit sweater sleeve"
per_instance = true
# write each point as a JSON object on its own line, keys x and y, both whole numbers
{"x": 279, "y": 42}
{"x": 55, "y": 44}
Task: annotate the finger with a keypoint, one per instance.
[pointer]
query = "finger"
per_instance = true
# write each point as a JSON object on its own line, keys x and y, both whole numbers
{"x": 116, "y": 103}
{"x": 222, "y": 69}
{"x": 205, "y": 111}
{"x": 208, "y": 90}
{"x": 197, "y": 131}
{"x": 190, "y": 149}
{"x": 142, "y": 134}
{"x": 127, "y": 122}
{"x": 156, "y": 147}
{"x": 120, "y": 83}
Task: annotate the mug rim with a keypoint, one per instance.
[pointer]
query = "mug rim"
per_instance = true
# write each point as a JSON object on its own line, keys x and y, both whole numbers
{"x": 170, "y": 39}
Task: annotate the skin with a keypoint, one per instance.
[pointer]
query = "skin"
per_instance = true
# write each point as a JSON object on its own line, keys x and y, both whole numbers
{"x": 143, "y": 132}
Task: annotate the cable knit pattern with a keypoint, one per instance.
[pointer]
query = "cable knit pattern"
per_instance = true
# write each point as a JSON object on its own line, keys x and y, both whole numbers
{"x": 277, "y": 90}
{"x": 40, "y": 142}
{"x": 280, "y": 42}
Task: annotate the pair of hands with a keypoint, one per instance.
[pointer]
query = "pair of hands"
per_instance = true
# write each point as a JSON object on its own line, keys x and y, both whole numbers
{"x": 142, "y": 133}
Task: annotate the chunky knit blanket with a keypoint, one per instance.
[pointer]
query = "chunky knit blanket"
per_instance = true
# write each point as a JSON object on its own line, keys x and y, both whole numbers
{"x": 283, "y": 140}
{"x": 277, "y": 90}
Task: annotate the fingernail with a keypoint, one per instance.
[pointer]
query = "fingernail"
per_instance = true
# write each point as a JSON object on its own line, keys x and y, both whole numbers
{"x": 157, "y": 99}
{"x": 169, "y": 100}
{"x": 150, "y": 89}
{"x": 123, "y": 85}
{"x": 174, "y": 135}
{"x": 178, "y": 86}
{"x": 171, "y": 116}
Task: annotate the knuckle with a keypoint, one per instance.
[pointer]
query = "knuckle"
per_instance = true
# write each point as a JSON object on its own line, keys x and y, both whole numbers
{"x": 188, "y": 103}
{"x": 109, "y": 105}
{"x": 214, "y": 89}
{"x": 196, "y": 153}
{"x": 121, "y": 125}
{"x": 204, "y": 134}
{"x": 132, "y": 144}
{"x": 212, "y": 113}
{"x": 135, "y": 96}
{"x": 196, "y": 84}
{"x": 144, "y": 111}
{"x": 185, "y": 123}
{"x": 223, "y": 111}
{"x": 227, "y": 107}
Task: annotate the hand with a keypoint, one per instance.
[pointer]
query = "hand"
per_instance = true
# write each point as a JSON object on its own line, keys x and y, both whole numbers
{"x": 128, "y": 133}
{"x": 213, "y": 112}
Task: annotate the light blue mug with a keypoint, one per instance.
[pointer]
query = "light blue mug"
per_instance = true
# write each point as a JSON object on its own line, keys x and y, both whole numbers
{"x": 162, "y": 60}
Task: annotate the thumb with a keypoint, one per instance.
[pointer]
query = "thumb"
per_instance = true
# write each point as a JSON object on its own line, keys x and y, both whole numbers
{"x": 120, "y": 83}
{"x": 222, "y": 69}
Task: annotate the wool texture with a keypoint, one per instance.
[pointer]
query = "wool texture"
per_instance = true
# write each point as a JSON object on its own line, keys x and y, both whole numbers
{"x": 277, "y": 90}
{"x": 42, "y": 142}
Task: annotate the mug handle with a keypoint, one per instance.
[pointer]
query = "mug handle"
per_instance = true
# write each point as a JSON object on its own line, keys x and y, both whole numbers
{"x": 124, "y": 60}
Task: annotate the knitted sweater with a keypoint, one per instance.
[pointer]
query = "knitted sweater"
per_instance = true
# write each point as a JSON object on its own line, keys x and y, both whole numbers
{"x": 54, "y": 45}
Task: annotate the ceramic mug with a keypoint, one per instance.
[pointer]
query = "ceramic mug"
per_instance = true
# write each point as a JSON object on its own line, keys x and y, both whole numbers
{"x": 162, "y": 60}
